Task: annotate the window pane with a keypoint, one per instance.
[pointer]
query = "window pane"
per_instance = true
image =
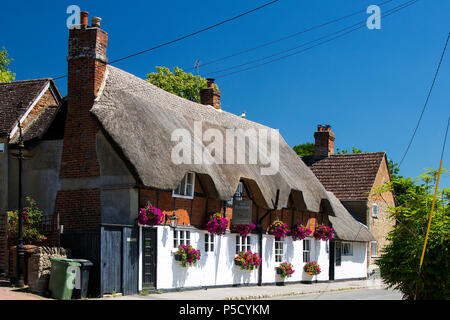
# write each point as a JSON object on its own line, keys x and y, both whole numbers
{"x": 189, "y": 190}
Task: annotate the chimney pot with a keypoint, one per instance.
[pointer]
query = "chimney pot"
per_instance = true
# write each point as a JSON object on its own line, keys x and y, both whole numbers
{"x": 84, "y": 17}
{"x": 95, "y": 22}
{"x": 210, "y": 82}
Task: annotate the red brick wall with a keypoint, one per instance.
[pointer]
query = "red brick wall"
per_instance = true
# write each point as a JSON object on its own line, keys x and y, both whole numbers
{"x": 79, "y": 209}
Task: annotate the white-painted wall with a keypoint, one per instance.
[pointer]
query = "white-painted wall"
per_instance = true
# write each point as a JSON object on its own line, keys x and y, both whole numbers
{"x": 218, "y": 268}
{"x": 355, "y": 265}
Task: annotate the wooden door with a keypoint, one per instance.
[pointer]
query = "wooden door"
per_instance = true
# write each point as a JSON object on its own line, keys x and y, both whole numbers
{"x": 148, "y": 258}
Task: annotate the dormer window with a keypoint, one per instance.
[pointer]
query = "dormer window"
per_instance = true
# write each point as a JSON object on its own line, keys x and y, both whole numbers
{"x": 186, "y": 188}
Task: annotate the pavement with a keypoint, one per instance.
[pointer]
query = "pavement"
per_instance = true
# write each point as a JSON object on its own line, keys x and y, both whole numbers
{"x": 9, "y": 292}
{"x": 256, "y": 292}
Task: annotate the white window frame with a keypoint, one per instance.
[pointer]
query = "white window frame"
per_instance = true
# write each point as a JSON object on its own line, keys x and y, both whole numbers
{"x": 375, "y": 210}
{"x": 347, "y": 249}
{"x": 210, "y": 242}
{"x": 306, "y": 250}
{"x": 181, "y": 236}
{"x": 243, "y": 244}
{"x": 279, "y": 246}
{"x": 178, "y": 193}
{"x": 372, "y": 243}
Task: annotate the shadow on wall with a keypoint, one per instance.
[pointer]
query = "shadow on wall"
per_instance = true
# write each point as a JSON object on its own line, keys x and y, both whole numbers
{"x": 179, "y": 274}
{"x": 289, "y": 250}
{"x": 268, "y": 250}
{"x": 242, "y": 276}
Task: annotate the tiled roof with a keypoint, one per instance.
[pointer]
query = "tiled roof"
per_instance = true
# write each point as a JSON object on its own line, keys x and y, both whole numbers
{"x": 11, "y": 94}
{"x": 25, "y": 93}
{"x": 348, "y": 176}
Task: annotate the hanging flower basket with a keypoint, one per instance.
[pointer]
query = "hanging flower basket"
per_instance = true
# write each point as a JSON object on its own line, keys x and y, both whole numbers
{"x": 217, "y": 224}
{"x": 244, "y": 229}
{"x": 187, "y": 255}
{"x": 279, "y": 229}
{"x": 300, "y": 232}
{"x": 312, "y": 268}
{"x": 323, "y": 232}
{"x": 285, "y": 270}
{"x": 150, "y": 216}
{"x": 247, "y": 260}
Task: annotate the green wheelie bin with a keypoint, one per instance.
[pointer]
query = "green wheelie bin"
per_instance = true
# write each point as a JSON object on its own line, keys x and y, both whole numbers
{"x": 62, "y": 278}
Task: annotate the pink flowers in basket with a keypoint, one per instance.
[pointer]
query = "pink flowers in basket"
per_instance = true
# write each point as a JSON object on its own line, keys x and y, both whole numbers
{"x": 217, "y": 224}
{"x": 187, "y": 255}
{"x": 244, "y": 229}
{"x": 300, "y": 232}
{"x": 323, "y": 232}
{"x": 312, "y": 268}
{"x": 279, "y": 229}
{"x": 285, "y": 270}
{"x": 150, "y": 216}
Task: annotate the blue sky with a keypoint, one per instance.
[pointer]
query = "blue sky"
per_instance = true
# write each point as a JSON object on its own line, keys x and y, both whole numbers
{"x": 369, "y": 85}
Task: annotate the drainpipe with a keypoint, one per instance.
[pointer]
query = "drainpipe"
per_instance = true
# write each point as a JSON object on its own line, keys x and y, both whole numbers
{"x": 260, "y": 233}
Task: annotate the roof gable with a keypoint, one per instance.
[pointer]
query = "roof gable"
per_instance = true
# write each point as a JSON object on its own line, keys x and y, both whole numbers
{"x": 25, "y": 93}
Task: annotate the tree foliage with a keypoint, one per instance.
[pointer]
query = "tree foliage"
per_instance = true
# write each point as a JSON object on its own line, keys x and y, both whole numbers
{"x": 178, "y": 82}
{"x": 5, "y": 73}
{"x": 400, "y": 258}
{"x": 304, "y": 149}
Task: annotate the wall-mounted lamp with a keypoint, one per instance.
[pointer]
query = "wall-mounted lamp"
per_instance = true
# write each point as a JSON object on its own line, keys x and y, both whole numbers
{"x": 173, "y": 220}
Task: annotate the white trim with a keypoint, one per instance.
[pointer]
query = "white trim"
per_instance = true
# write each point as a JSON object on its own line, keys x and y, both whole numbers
{"x": 13, "y": 132}
{"x": 174, "y": 195}
{"x": 140, "y": 260}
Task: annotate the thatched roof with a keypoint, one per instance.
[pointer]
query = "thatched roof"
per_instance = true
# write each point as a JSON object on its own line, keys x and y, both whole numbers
{"x": 345, "y": 226}
{"x": 140, "y": 118}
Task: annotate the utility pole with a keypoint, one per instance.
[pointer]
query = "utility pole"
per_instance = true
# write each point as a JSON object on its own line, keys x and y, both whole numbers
{"x": 196, "y": 66}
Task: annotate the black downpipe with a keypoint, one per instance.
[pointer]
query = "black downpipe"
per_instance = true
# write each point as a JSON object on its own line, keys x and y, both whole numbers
{"x": 260, "y": 233}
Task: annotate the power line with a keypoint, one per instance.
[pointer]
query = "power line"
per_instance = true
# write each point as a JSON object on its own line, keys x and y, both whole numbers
{"x": 287, "y": 37}
{"x": 426, "y": 101}
{"x": 186, "y": 36}
{"x": 359, "y": 26}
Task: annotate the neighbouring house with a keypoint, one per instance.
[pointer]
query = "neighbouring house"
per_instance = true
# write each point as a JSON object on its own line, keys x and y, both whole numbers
{"x": 36, "y": 104}
{"x": 351, "y": 177}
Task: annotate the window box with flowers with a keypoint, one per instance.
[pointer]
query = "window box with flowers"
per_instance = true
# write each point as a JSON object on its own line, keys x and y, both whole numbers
{"x": 187, "y": 255}
{"x": 217, "y": 224}
{"x": 311, "y": 269}
{"x": 285, "y": 270}
{"x": 323, "y": 232}
{"x": 150, "y": 216}
{"x": 300, "y": 232}
{"x": 244, "y": 229}
{"x": 247, "y": 260}
{"x": 279, "y": 229}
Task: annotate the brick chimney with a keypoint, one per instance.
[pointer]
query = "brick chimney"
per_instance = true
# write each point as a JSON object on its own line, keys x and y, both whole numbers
{"x": 86, "y": 68}
{"x": 324, "y": 141}
{"x": 78, "y": 202}
{"x": 210, "y": 95}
